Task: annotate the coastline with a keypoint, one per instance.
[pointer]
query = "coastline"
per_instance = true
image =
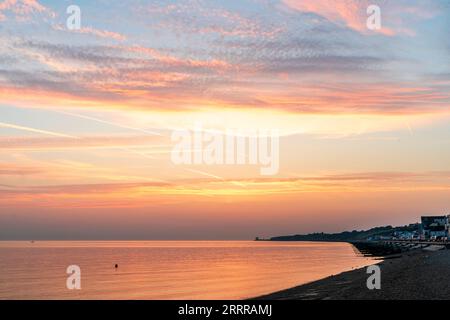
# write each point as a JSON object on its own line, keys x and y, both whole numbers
{"x": 417, "y": 274}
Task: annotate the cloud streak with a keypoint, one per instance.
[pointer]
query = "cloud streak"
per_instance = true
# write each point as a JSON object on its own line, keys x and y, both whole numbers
{"x": 93, "y": 31}
{"x": 63, "y": 142}
{"x": 396, "y": 15}
{"x": 145, "y": 193}
{"x": 34, "y": 130}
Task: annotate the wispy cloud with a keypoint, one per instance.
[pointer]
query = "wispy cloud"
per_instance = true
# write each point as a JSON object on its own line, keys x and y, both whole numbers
{"x": 147, "y": 78}
{"x": 35, "y": 143}
{"x": 353, "y": 13}
{"x": 93, "y": 31}
{"x": 22, "y": 9}
{"x": 35, "y": 130}
{"x": 7, "y": 169}
{"x": 145, "y": 193}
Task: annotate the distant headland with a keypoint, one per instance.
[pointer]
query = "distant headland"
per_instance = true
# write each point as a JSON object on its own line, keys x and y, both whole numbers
{"x": 374, "y": 233}
{"x": 433, "y": 228}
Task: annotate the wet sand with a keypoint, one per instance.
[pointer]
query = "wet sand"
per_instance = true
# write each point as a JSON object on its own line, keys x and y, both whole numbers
{"x": 415, "y": 275}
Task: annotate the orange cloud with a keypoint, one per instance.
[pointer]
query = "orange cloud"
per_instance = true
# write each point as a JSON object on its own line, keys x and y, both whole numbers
{"x": 102, "y": 33}
{"x": 8, "y": 169}
{"x": 379, "y": 99}
{"x": 351, "y": 13}
{"x": 95, "y": 32}
{"x": 141, "y": 194}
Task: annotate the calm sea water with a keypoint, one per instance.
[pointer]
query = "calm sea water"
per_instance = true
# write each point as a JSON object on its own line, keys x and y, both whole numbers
{"x": 167, "y": 269}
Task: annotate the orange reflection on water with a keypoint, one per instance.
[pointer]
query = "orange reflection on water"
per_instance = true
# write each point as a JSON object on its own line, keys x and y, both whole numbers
{"x": 167, "y": 269}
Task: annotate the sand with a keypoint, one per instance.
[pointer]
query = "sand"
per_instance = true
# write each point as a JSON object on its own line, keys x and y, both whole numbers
{"x": 415, "y": 275}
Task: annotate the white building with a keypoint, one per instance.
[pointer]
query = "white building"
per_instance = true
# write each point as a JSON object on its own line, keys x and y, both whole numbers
{"x": 435, "y": 226}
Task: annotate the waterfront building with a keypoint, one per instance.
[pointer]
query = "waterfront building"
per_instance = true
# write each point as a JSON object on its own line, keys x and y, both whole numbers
{"x": 435, "y": 227}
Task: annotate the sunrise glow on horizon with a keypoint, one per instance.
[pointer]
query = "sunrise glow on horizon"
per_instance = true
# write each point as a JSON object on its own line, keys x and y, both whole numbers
{"x": 87, "y": 115}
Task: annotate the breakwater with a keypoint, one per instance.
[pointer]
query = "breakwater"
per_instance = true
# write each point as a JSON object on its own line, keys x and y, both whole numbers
{"x": 395, "y": 247}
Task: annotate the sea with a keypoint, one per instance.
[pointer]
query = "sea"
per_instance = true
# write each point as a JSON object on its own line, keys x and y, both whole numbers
{"x": 160, "y": 270}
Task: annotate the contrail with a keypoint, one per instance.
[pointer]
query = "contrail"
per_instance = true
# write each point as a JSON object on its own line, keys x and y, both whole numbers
{"x": 107, "y": 122}
{"x": 57, "y": 134}
{"x": 206, "y": 174}
{"x": 216, "y": 177}
{"x": 408, "y": 125}
{"x": 51, "y": 133}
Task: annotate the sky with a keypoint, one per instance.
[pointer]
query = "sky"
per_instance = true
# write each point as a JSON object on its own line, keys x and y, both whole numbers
{"x": 87, "y": 116}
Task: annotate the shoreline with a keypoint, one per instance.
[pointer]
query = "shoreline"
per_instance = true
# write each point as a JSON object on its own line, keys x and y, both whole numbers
{"x": 416, "y": 274}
